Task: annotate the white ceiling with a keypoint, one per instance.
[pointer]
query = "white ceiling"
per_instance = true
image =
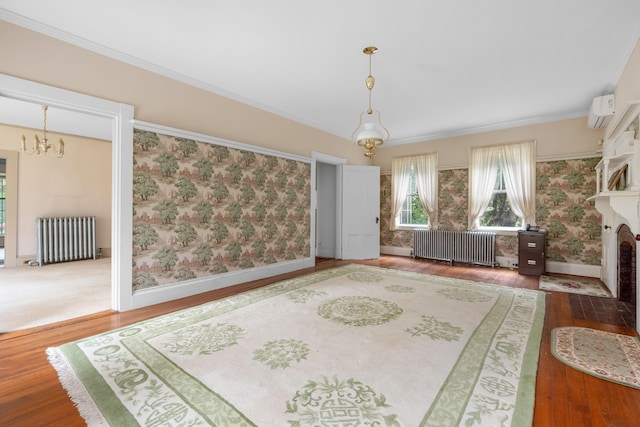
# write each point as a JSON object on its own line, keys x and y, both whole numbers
{"x": 443, "y": 67}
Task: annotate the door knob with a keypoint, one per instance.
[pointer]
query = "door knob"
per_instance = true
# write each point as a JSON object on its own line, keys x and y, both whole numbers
{"x": 377, "y": 220}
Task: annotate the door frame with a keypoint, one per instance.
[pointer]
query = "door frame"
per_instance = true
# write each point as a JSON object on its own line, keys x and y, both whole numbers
{"x": 317, "y": 157}
{"x": 121, "y": 116}
{"x": 11, "y": 203}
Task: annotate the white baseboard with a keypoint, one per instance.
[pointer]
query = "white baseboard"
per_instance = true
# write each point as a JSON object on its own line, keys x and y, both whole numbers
{"x": 394, "y": 250}
{"x": 165, "y": 293}
{"x": 510, "y": 262}
{"x": 507, "y": 262}
{"x": 574, "y": 269}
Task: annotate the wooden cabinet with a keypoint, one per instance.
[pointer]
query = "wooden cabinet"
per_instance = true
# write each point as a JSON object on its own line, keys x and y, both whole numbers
{"x": 531, "y": 248}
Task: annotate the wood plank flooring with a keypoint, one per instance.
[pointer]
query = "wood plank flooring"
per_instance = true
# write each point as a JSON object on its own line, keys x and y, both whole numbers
{"x": 31, "y": 395}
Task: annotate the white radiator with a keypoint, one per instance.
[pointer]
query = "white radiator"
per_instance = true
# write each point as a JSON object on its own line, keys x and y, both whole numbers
{"x": 65, "y": 239}
{"x": 472, "y": 247}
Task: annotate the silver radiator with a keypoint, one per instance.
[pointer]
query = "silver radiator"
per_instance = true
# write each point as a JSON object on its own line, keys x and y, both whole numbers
{"x": 472, "y": 247}
{"x": 65, "y": 239}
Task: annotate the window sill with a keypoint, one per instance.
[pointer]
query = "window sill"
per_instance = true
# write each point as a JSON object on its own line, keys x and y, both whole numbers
{"x": 411, "y": 227}
{"x": 502, "y": 231}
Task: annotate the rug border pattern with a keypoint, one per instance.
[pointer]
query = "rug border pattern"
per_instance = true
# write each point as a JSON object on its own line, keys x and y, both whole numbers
{"x": 566, "y": 356}
{"x": 215, "y": 404}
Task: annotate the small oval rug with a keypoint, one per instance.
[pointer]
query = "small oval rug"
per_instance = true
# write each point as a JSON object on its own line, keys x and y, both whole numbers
{"x": 612, "y": 357}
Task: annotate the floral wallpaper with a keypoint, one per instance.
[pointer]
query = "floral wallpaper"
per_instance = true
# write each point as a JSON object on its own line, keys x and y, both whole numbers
{"x": 574, "y": 226}
{"x": 562, "y": 187}
{"x": 453, "y": 199}
{"x": 202, "y": 209}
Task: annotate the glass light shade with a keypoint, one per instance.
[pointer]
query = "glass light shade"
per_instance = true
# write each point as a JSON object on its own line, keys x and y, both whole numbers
{"x": 370, "y": 133}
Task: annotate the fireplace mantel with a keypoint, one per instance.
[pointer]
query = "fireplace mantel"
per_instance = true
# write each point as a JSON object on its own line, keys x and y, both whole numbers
{"x": 622, "y": 203}
{"x": 618, "y": 173}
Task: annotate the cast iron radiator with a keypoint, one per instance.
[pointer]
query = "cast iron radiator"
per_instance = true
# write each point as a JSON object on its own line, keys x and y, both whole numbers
{"x": 65, "y": 239}
{"x": 472, "y": 247}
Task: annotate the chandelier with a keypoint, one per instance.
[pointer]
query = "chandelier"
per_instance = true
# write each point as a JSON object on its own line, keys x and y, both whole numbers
{"x": 42, "y": 146}
{"x": 370, "y": 133}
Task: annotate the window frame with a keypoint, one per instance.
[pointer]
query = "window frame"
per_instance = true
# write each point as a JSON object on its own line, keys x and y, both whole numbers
{"x": 500, "y": 228}
{"x": 410, "y": 193}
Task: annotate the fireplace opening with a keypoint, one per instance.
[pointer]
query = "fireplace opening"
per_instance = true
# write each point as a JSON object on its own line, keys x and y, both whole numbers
{"x": 626, "y": 265}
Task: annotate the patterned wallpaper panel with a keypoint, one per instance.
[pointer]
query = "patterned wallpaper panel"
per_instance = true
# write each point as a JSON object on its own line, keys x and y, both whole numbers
{"x": 562, "y": 187}
{"x": 453, "y": 199}
{"x": 203, "y": 209}
{"x": 574, "y": 226}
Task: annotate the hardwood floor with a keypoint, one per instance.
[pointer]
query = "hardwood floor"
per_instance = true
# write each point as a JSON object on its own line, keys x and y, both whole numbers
{"x": 31, "y": 395}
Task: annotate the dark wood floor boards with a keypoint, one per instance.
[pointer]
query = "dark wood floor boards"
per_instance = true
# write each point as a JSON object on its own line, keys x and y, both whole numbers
{"x": 31, "y": 395}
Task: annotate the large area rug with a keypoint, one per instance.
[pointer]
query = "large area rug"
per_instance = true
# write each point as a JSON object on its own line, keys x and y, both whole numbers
{"x": 613, "y": 357}
{"x": 349, "y": 346}
{"x": 573, "y": 286}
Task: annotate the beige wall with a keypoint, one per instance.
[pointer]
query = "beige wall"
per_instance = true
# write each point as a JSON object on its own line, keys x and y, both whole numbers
{"x": 564, "y": 138}
{"x": 628, "y": 88}
{"x": 79, "y": 184}
{"x": 157, "y": 99}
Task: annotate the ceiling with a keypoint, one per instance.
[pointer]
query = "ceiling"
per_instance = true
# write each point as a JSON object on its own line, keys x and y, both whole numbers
{"x": 443, "y": 68}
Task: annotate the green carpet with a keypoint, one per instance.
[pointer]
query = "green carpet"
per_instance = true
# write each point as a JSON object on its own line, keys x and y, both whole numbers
{"x": 349, "y": 346}
{"x": 612, "y": 357}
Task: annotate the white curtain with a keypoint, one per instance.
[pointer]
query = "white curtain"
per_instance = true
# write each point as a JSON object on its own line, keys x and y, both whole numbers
{"x": 400, "y": 178}
{"x": 483, "y": 171}
{"x": 519, "y": 171}
{"x": 426, "y": 170}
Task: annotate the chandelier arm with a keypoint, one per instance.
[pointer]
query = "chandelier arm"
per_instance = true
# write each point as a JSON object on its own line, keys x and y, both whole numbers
{"x": 42, "y": 146}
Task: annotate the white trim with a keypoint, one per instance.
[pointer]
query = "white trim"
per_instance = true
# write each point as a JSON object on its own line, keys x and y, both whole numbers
{"x": 327, "y": 158}
{"x": 157, "y": 69}
{"x": 121, "y": 171}
{"x": 181, "y": 133}
{"x": 576, "y": 156}
{"x": 159, "y": 294}
{"x": 317, "y": 156}
{"x": 149, "y": 66}
{"x": 169, "y": 292}
{"x": 487, "y": 128}
{"x": 507, "y": 262}
{"x": 573, "y": 269}
{"x": 395, "y": 250}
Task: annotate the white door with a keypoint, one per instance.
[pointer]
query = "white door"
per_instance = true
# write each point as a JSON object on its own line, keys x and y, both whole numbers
{"x": 360, "y": 214}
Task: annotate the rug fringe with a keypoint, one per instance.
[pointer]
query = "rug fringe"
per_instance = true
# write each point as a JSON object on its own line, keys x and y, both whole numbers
{"x": 75, "y": 389}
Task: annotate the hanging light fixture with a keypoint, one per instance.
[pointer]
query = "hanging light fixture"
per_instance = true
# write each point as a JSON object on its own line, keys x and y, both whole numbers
{"x": 370, "y": 133}
{"x": 42, "y": 146}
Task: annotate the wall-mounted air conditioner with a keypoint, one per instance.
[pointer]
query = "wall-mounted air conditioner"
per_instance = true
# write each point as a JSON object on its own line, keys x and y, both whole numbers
{"x": 601, "y": 111}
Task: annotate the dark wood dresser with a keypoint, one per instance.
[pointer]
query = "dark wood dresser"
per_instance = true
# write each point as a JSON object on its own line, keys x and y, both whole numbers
{"x": 531, "y": 248}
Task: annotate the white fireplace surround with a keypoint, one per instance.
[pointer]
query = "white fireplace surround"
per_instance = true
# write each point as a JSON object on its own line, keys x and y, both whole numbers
{"x": 617, "y": 195}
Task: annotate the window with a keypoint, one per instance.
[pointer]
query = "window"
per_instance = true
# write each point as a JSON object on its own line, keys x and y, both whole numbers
{"x": 502, "y": 186}
{"x": 412, "y": 213}
{"x": 414, "y": 191}
{"x": 499, "y": 213}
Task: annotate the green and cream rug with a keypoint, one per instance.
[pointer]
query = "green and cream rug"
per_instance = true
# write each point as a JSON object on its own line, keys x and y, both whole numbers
{"x": 573, "y": 285}
{"x": 354, "y": 345}
{"x": 612, "y": 357}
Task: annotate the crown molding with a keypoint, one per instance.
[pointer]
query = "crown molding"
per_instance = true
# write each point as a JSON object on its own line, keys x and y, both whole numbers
{"x": 488, "y": 128}
{"x": 100, "y": 49}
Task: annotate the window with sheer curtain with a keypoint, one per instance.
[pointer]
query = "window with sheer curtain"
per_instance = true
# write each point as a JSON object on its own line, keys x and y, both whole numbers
{"x": 414, "y": 191}
{"x": 502, "y": 186}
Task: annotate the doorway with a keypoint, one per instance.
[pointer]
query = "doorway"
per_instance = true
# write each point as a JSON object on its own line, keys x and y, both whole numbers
{"x": 326, "y": 211}
{"x": 52, "y": 187}
{"x": 3, "y": 206}
{"x": 120, "y": 117}
{"x": 326, "y": 206}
